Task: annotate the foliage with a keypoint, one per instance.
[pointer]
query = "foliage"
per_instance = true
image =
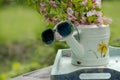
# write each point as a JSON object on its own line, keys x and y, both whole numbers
{"x": 77, "y": 11}
{"x": 9, "y": 2}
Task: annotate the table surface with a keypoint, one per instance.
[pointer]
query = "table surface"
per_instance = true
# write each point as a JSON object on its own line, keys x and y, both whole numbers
{"x": 44, "y": 74}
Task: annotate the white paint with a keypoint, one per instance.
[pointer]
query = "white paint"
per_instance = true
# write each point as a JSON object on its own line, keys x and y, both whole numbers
{"x": 95, "y": 76}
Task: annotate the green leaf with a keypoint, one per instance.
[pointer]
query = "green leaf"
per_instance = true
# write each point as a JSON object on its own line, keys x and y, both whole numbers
{"x": 90, "y": 4}
{"x": 98, "y": 9}
{"x": 91, "y": 19}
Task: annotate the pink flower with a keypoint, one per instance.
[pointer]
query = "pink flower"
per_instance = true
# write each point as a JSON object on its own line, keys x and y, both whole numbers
{"x": 53, "y": 4}
{"x": 42, "y": 4}
{"x": 72, "y": 18}
{"x": 76, "y": 23}
{"x": 55, "y": 20}
{"x": 84, "y": 2}
{"x": 93, "y": 1}
{"x": 100, "y": 20}
{"x": 99, "y": 14}
{"x": 83, "y": 20}
{"x": 70, "y": 11}
{"x": 107, "y": 20}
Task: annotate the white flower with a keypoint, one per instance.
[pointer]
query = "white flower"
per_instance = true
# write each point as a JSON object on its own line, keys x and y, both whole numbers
{"x": 94, "y": 12}
{"x": 91, "y": 13}
{"x": 98, "y": 3}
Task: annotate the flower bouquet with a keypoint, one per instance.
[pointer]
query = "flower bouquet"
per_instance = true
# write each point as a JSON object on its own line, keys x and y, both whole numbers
{"x": 79, "y": 12}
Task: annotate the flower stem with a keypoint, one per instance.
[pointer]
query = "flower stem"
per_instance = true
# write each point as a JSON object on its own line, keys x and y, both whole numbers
{"x": 94, "y": 53}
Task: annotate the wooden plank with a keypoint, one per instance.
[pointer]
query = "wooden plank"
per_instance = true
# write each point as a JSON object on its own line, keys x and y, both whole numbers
{"x": 41, "y": 74}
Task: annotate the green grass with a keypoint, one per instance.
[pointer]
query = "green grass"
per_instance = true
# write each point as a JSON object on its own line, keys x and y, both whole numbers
{"x": 19, "y": 23}
{"x": 112, "y": 9}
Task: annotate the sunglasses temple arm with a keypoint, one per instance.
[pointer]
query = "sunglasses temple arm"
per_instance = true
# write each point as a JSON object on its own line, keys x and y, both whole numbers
{"x": 78, "y": 33}
{"x": 75, "y": 46}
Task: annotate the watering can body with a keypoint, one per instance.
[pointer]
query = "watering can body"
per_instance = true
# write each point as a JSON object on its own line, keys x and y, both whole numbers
{"x": 92, "y": 49}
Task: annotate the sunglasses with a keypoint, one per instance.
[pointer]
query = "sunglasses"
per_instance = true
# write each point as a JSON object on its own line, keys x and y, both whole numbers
{"x": 63, "y": 28}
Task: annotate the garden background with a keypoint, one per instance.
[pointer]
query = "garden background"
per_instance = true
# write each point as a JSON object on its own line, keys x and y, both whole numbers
{"x": 21, "y": 48}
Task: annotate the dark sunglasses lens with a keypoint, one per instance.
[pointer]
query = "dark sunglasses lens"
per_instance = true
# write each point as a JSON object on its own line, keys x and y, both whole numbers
{"x": 48, "y": 36}
{"x": 64, "y": 29}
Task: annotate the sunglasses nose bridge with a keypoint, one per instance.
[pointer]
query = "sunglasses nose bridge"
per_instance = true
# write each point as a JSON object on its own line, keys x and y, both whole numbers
{"x": 54, "y": 30}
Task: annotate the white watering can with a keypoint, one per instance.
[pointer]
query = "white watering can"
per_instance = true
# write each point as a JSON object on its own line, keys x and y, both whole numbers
{"x": 92, "y": 49}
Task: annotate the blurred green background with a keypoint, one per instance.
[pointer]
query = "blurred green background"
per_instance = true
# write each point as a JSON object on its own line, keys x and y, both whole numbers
{"x": 21, "y": 48}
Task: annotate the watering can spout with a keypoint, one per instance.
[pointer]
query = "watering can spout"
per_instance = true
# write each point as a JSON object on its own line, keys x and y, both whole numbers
{"x": 66, "y": 29}
{"x": 75, "y": 46}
